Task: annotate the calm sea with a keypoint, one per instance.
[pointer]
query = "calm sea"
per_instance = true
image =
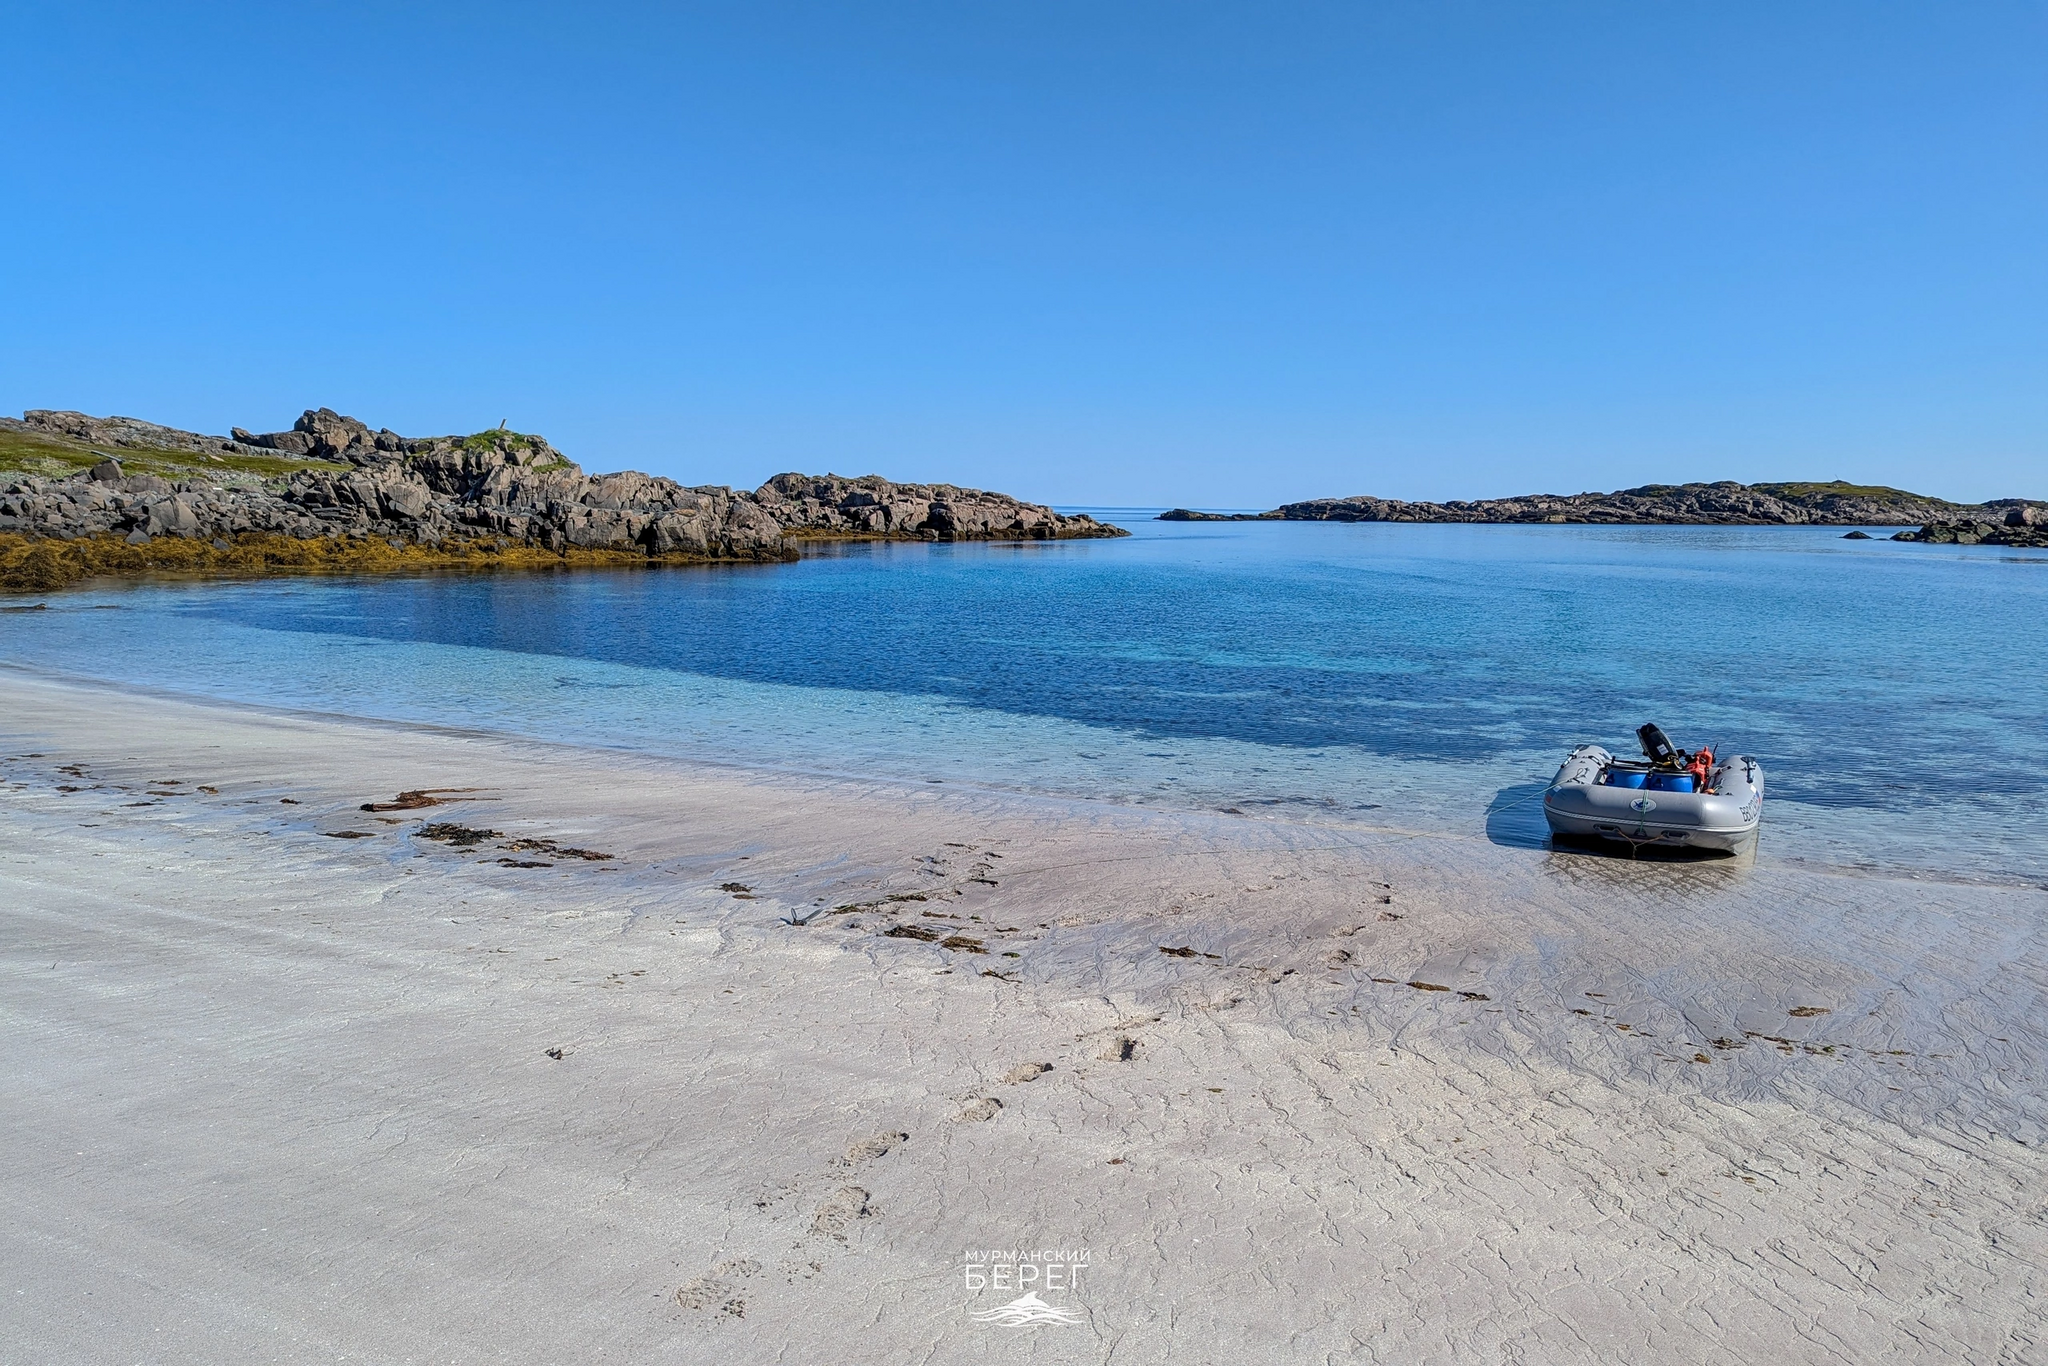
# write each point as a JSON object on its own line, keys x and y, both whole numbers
{"x": 1413, "y": 677}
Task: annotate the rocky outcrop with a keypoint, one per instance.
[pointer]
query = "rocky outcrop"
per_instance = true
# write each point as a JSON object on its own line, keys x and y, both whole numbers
{"x": 503, "y": 486}
{"x": 829, "y": 505}
{"x": 117, "y": 433}
{"x": 2023, "y": 524}
{"x": 323, "y": 434}
{"x": 1724, "y": 503}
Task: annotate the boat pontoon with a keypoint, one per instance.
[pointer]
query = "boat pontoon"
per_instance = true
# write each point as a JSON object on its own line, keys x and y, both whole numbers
{"x": 1668, "y": 798}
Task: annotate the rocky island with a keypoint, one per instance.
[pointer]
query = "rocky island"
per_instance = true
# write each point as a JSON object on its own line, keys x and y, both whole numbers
{"x": 2025, "y": 524}
{"x": 82, "y": 496}
{"x": 1726, "y": 503}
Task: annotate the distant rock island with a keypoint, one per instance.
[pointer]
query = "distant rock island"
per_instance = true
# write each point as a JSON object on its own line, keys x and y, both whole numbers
{"x": 83, "y": 495}
{"x": 2009, "y": 520}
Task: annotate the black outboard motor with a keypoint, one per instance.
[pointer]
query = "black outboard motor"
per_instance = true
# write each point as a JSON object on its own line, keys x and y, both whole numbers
{"x": 1657, "y": 745}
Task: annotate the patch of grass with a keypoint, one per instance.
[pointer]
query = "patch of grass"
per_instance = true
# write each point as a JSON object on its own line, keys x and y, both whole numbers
{"x": 1801, "y": 492}
{"x": 55, "y": 457}
{"x": 499, "y": 438}
{"x": 267, "y": 466}
{"x": 37, "y": 565}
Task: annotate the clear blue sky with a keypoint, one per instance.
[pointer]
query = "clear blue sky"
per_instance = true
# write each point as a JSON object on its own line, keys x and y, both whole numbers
{"x": 1083, "y": 252}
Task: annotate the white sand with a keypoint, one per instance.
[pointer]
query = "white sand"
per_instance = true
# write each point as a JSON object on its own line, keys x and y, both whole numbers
{"x": 271, "y": 1096}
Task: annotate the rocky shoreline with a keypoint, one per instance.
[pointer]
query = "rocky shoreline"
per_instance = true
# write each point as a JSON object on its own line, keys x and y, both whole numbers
{"x": 1726, "y": 503}
{"x": 239, "y": 503}
{"x": 2025, "y": 525}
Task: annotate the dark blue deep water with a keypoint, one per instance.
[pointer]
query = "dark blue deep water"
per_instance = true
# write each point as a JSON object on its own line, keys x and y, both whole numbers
{"x": 1399, "y": 675}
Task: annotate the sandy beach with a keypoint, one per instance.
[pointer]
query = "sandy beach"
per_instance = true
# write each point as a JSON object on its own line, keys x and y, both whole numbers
{"x": 287, "y": 1080}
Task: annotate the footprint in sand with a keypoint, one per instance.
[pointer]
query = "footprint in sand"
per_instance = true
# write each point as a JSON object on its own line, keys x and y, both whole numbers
{"x": 719, "y": 1290}
{"x": 980, "y": 1112}
{"x": 872, "y": 1147}
{"x": 840, "y": 1211}
{"x": 1026, "y": 1071}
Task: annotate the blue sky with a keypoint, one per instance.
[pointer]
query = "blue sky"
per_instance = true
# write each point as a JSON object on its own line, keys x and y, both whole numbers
{"x": 1090, "y": 253}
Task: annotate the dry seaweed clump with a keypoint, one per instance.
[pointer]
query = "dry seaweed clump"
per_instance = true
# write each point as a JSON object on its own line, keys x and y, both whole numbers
{"x": 461, "y": 836}
{"x": 44, "y": 565}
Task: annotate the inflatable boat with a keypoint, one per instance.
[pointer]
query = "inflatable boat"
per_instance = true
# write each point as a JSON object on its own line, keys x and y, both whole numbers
{"x": 1667, "y": 798}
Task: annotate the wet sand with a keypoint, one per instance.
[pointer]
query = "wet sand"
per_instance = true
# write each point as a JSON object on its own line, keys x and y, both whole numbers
{"x": 754, "y": 1086}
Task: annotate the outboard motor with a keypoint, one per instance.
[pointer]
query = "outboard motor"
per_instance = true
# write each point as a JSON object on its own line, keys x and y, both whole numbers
{"x": 1658, "y": 747}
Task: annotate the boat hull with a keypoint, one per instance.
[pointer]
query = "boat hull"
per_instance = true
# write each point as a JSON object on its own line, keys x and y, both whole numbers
{"x": 1724, "y": 818}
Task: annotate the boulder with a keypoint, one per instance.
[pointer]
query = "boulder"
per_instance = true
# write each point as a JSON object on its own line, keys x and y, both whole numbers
{"x": 319, "y": 434}
{"x": 602, "y": 528}
{"x": 679, "y": 533}
{"x": 403, "y": 500}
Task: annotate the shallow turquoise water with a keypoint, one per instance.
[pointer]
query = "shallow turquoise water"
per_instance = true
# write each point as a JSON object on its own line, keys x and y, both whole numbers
{"x": 1410, "y": 676}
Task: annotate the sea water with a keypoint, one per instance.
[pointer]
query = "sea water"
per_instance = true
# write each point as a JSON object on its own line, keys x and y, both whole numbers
{"x": 1393, "y": 676}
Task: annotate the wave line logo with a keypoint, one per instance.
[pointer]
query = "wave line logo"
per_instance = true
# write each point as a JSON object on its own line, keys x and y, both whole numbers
{"x": 1024, "y": 1272}
{"x": 1025, "y": 1310}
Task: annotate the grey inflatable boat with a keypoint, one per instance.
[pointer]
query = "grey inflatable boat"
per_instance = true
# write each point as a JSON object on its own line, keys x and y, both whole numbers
{"x": 1668, "y": 798}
